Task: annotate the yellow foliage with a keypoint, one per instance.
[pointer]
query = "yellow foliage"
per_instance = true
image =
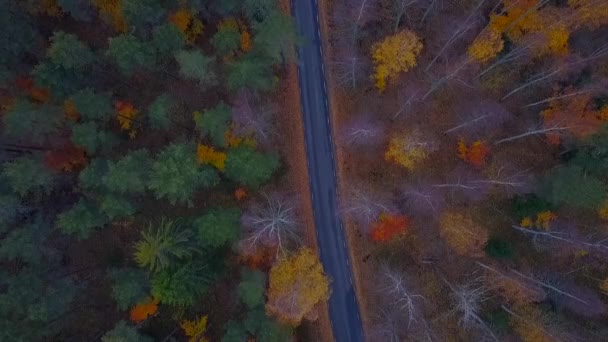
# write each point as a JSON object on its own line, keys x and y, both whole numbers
{"x": 186, "y": 21}
{"x": 526, "y": 222}
{"x": 125, "y": 113}
{"x": 406, "y": 154}
{"x": 208, "y": 155}
{"x": 590, "y": 13}
{"x": 462, "y": 234}
{"x": 112, "y": 9}
{"x": 143, "y": 310}
{"x": 246, "y": 44}
{"x": 234, "y": 140}
{"x": 528, "y": 324}
{"x": 487, "y": 46}
{"x": 69, "y": 110}
{"x": 543, "y": 219}
{"x": 521, "y": 18}
{"x": 558, "y": 40}
{"x": 603, "y": 210}
{"x": 47, "y": 7}
{"x": 296, "y": 284}
{"x": 195, "y": 329}
{"x": 604, "y": 285}
{"x": 393, "y": 55}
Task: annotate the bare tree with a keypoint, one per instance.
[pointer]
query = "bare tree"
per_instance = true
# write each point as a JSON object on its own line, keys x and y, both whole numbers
{"x": 362, "y": 132}
{"x": 364, "y": 206}
{"x": 271, "y": 223}
{"x": 452, "y": 73}
{"x": 556, "y": 127}
{"x": 389, "y": 326}
{"x": 478, "y": 117}
{"x": 556, "y": 234}
{"x": 349, "y": 66}
{"x": 398, "y": 10}
{"x": 251, "y": 118}
{"x": 408, "y": 96}
{"x": 393, "y": 283}
{"x": 423, "y": 199}
{"x": 520, "y": 51}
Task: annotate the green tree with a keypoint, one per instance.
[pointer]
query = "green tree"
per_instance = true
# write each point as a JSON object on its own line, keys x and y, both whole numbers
{"x": 88, "y": 136}
{"x": 129, "y": 286}
{"x": 162, "y": 246}
{"x": 160, "y": 111}
{"x": 167, "y": 39}
{"x": 89, "y": 178}
{"x": 570, "y": 185}
{"x": 251, "y": 71}
{"x": 218, "y": 227}
{"x": 259, "y": 10}
{"x": 82, "y": 219}
{"x": 214, "y": 123}
{"x": 248, "y": 167}
{"x": 68, "y": 52}
{"x": 115, "y": 206}
{"x": 176, "y": 175}
{"x": 25, "y": 244}
{"x": 264, "y": 328}
{"x": 227, "y": 40}
{"x": 234, "y": 332}
{"x": 93, "y": 106}
{"x": 18, "y": 36}
{"x": 28, "y": 175}
{"x": 181, "y": 285}
{"x": 129, "y": 174}
{"x": 276, "y": 37}
{"x": 62, "y": 82}
{"x": 252, "y": 287}
{"x": 141, "y": 13}
{"x": 30, "y": 122}
{"x": 194, "y": 65}
{"x": 123, "y": 332}
{"x": 131, "y": 54}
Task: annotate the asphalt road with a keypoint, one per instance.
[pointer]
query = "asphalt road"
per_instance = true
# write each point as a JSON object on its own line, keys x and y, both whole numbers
{"x": 343, "y": 308}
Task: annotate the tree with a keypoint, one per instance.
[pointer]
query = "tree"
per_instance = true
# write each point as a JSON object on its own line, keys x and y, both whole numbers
{"x": 394, "y": 55}
{"x": 82, "y": 219}
{"x": 251, "y": 71}
{"x": 67, "y": 52}
{"x": 589, "y": 13}
{"x": 467, "y": 300}
{"x": 395, "y": 285}
{"x": 129, "y": 286}
{"x": 259, "y": 10}
{"x": 252, "y": 119}
{"x": 131, "y": 54}
{"x": 181, "y": 285}
{"x": 271, "y": 223}
{"x": 251, "y": 288}
{"x": 124, "y": 333}
{"x": 19, "y": 36}
{"x": 93, "y": 139}
{"x": 177, "y": 176}
{"x": 140, "y": 13}
{"x": 27, "y": 175}
{"x": 227, "y": 39}
{"x": 30, "y": 122}
{"x": 570, "y": 185}
{"x": 266, "y": 329}
{"x": 486, "y": 46}
{"x": 187, "y": 23}
{"x": 213, "y": 123}
{"x": 365, "y": 206}
{"x": 162, "y": 246}
{"x": 129, "y": 174}
{"x": 195, "y": 329}
{"x": 409, "y": 151}
{"x": 389, "y": 227}
{"x": 115, "y": 206}
{"x": 462, "y": 233}
{"x": 159, "y": 112}
{"x": 167, "y": 39}
{"x": 275, "y": 36}
{"x": 296, "y": 285}
{"x": 193, "y": 64}
{"x": 218, "y": 227}
{"x": 92, "y": 106}
{"x": 475, "y": 154}
{"x": 88, "y": 178}
{"x": 79, "y": 9}
{"x": 208, "y": 155}
{"x": 66, "y": 158}
{"x": 250, "y": 168}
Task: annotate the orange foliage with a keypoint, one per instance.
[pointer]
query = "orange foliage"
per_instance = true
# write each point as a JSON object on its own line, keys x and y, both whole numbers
{"x": 542, "y": 222}
{"x": 576, "y": 114}
{"x": 234, "y": 140}
{"x": 143, "y": 310}
{"x": 261, "y": 258}
{"x": 476, "y": 154}
{"x": 47, "y": 7}
{"x": 246, "y": 44}
{"x": 70, "y": 111}
{"x": 68, "y": 158}
{"x": 520, "y": 18}
{"x": 388, "y": 227}
{"x": 195, "y": 329}
{"x": 529, "y": 325}
{"x": 26, "y": 84}
{"x": 112, "y": 10}
{"x": 186, "y": 21}
{"x": 208, "y": 155}
{"x": 240, "y": 194}
{"x": 514, "y": 292}
{"x": 125, "y": 113}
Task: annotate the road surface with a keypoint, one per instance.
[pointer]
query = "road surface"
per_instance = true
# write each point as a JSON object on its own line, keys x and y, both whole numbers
{"x": 343, "y": 309}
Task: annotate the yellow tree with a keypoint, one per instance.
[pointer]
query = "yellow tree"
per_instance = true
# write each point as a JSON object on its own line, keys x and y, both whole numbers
{"x": 486, "y": 46}
{"x": 296, "y": 284}
{"x": 462, "y": 233}
{"x": 590, "y": 13}
{"x": 408, "y": 151}
{"x": 394, "y": 55}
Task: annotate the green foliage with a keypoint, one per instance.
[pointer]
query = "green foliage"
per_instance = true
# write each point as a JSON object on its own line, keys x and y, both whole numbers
{"x": 499, "y": 249}
{"x": 160, "y": 110}
{"x": 62, "y": 82}
{"x": 193, "y": 64}
{"x": 129, "y": 286}
{"x": 9, "y": 208}
{"x": 18, "y": 36}
{"x": 123, "y": 332}
{"x": 131, "y": 53}
{"x": 130, "y": 174}
{"x": 182, "y": 285}
{"x": 167, "y": 39}
{"x": 24, "y": 244}
{"x": 276, "y": 36}
{"x": 529, "y": 205}
{"x": 78, "y": 9}
{"x": 234, "y": 332}
{"x": 88, "y": 136}
{"x": 30, "y": 122}
{"x": 68, "y": 52}
{"x": 226, "y": 41}
{"x": 28, "y": 175}
{"x": 161, "y": 247}
{"x": 264, "y": 328}
{"x": 259, "y": 10}
{"x": 214, "y": 123}
{"x": 250, "y": 168}
{"x": 592, "y": 155}
{"x": 89, "y": 178}
{"x": 82, "y": 219}
{"x": 176, "y": 174}
{"x": 218, "y": 227}
{"x": 115, "y": 206}
{"x": 572, "y": 186}
{"x": 140, "y": 13}
{"x": 251, "y": 288}
{"x": 251, "y": 71}
{"x": 92, "y": 106}
{"x": 498, "y": 320}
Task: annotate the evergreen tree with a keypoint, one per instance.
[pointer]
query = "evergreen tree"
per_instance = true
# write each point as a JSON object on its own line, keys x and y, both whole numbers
{"x": 160, "y": 111}
{"x": 181, "y": 285}
{"x": 252, "y": 287}
{"x": 163, "y": 246}
{"x": 18, "y": 36}
{"x": 82, "y": 219}
{"x": 115, "y": 206}
{"x": 167, "y": 39}
{"x": 259, "y": 10}
{"x": 214, "y": 123}
{"x": 129, "y": 286}
{"x": 142, "y": 13}
{"x": 27, "y": 175}
{"x": 248, "y": 167}
{"x": 93, "y": 106}
{"x": 78, "y": 9}
{"x": 123, "y": 332}
{"x": 194, "y": 65}
{"x": 227, "y": 40}
{"x": 88, "y": 136}
{"x": 251, "y": 71}
{"x": 33, "y": 123}
{"x": 89, "y": 178}
{"x": 68, "y": 52}
{"x": 218, "y": 227}
{"x": 570, "y": 185}
{"x": 276, "y": 36}
{"x": 131, "y": 54}
{"x": 130, "y": 174}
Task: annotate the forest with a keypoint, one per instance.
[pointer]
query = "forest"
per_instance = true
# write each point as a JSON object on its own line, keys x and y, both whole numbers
{"x": 472, "y": 154}
{"x": 145, "y": 193}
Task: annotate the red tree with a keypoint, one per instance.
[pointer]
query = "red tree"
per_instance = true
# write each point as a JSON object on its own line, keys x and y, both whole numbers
{"x": 388, "y": 227}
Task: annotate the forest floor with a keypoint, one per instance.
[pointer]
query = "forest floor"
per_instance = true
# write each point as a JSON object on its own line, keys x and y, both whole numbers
{"x": 356, "y": 240}
{"x": 291, "y": 126}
